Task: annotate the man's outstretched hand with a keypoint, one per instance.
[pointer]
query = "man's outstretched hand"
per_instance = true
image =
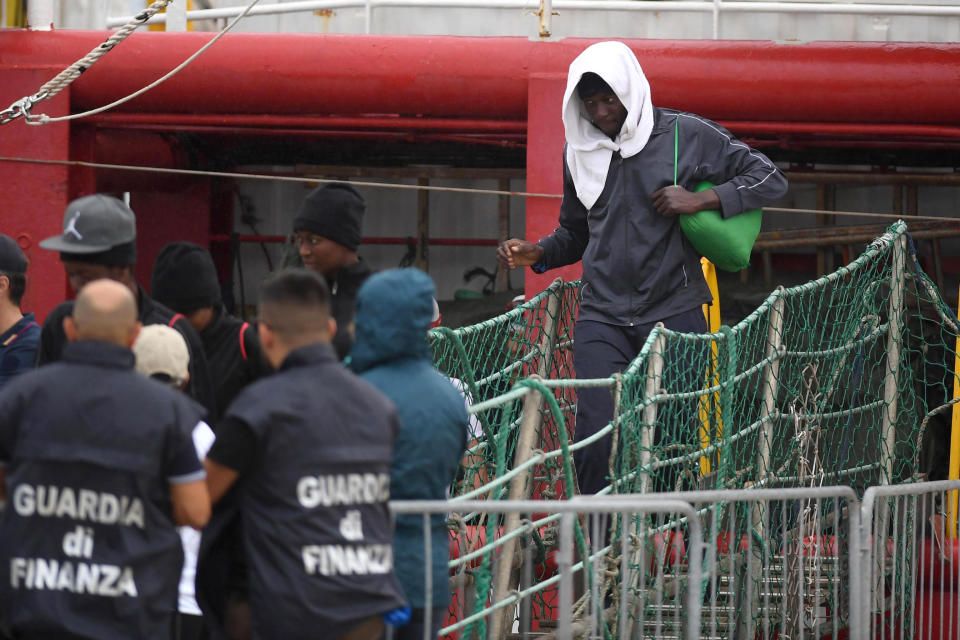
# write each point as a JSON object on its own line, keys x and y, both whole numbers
{"x": 677, "y": 201}
{"x": 518, "y": 253}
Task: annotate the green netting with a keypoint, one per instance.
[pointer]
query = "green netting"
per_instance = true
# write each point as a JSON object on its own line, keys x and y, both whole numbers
{"x": 490, "y": 359}
{"x": 826, "y": 383}
{"x": 833, "y": 382}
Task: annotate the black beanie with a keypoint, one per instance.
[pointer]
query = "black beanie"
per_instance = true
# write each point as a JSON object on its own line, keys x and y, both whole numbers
{"x": 185, "y": 278}
{"x": 334, "y": 211}
{"x": 591, "y": 84}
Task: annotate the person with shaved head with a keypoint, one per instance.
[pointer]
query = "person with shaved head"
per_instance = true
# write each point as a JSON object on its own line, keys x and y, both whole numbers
{"x": 97, "y": 466}
{"x": 106, "y": 313}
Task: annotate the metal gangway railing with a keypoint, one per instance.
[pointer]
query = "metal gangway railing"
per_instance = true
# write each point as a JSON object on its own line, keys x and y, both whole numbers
{"x": 767, "y": 563}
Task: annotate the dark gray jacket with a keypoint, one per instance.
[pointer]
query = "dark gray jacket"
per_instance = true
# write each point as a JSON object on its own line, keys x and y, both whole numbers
{"x": 638, "y": 267}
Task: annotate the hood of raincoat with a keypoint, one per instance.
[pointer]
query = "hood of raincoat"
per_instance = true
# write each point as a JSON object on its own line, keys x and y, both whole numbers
{"x": 588, "y": 148}
{"x": 394, "y": 311}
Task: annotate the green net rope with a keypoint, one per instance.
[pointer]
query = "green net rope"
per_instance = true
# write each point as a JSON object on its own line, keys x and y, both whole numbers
{"x": 838, "y": 381}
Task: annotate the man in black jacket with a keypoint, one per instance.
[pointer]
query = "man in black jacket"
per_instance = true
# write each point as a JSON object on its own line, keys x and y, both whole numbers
{"x": 629, "y": 169}
{"x": 99, "y": 241}
{"x": 185, "y": 279}
{"x": 328, "y": 230}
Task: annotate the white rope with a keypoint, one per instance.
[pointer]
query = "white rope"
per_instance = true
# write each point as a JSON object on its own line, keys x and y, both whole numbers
{"x": 860, "y": 214}
{"x": 63, "y": 79}
{"x": 297, "y": 179}
{"x": 45, "y": 119}
{"x": 71, "y": 73}
{"x": 419, "y": 187}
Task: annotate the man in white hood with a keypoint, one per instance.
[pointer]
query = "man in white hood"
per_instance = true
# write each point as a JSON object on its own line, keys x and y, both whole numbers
{"x": 629, "y": 169}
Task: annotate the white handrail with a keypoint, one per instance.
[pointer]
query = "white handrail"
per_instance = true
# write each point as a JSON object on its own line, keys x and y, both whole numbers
{"x": 716, "y": 7}
{"x": 40, "y": 15}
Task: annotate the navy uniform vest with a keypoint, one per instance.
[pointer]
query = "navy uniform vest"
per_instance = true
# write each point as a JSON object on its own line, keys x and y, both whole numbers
{"x": 317, "y": 529}
{"x": 87, "y": 544}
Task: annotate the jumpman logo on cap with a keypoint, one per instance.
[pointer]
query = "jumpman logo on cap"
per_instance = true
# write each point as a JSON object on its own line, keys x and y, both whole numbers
{"x": 72, "y": 227}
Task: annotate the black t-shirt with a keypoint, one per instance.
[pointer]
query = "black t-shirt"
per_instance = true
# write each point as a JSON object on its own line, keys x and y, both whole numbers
{"x": 234, "y": 357}
{"x": 235, "y": 446}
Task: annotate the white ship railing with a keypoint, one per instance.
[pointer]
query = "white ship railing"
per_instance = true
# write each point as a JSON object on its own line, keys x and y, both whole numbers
{"x": 545, "y": 9}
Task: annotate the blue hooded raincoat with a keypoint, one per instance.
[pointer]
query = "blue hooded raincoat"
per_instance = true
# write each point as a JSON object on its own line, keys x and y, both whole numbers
{"x": 390, "y": 351}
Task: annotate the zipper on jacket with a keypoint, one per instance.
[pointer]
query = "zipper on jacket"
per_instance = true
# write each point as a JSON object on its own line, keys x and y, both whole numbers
{"x": 684, "y": 267}
{"x": 626, "y": 240}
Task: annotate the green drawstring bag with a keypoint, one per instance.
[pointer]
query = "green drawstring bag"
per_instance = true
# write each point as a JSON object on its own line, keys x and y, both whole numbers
{"x": 726, "y": 243}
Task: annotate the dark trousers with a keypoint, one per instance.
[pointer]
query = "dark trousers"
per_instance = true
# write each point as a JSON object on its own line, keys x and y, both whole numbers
{"x": 188, "y": 627}
{"x": 414, "y": 630}
{"x": 367, "y": 629}
{"x": 599, "y": 351}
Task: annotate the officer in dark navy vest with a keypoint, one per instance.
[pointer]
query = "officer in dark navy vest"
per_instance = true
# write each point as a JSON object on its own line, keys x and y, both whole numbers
{"x": 310, "y": 449}
{"x": 97, "y": 465}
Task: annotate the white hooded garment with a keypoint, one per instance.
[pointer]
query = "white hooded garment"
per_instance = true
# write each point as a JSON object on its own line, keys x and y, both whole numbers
{"x": 589, "y": 149}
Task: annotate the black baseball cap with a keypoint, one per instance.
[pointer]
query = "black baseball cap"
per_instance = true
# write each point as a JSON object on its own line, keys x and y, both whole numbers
{"x": 12, "y": 259}
{"x": 94, "y": 224}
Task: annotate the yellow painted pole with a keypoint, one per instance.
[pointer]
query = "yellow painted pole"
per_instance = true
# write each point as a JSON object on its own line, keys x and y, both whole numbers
{"x": 14, "y": 14}
{"x": 954, "y": 445}
{"x": 711, "y": 312}
{"x": 163, "y": 27}
{"x": 155, "y": 27}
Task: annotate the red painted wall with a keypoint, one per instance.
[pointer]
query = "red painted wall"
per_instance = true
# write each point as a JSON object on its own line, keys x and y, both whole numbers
{"x": 165, "y": 216}
{"x": 33, "y": 197}
{"x": 258, "y": 73}
{"x": 545, "y": 170}
{"x": 811, "y": 94}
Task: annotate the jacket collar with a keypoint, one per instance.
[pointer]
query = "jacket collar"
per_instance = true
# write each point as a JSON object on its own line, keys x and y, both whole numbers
{"x": 18, "y": 327}
{"x": 662, "y": 123}
{"x": 317, "y": 353}
{"x": 145, "y": 304}
{"x": 219, "y": 324}
{"x": 352, "y": 274}
{"x": 101, "y": 354}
